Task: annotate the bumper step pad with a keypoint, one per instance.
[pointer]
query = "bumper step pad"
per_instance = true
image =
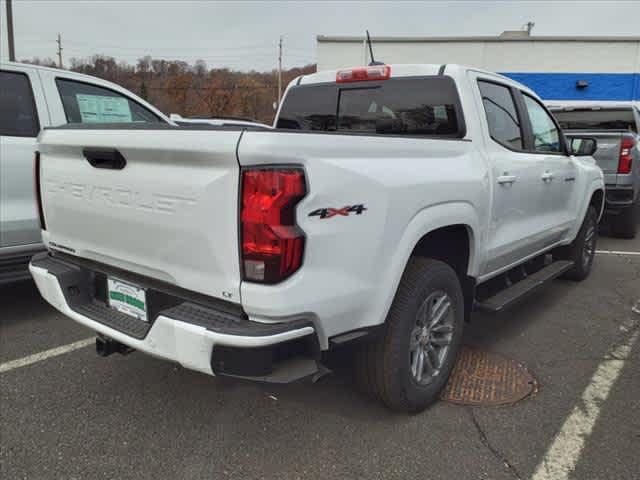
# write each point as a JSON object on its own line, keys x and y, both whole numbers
{"x": 113, "y": 318}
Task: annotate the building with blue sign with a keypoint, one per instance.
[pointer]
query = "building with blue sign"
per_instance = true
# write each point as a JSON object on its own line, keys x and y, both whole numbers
{"x": 574, "y": 69}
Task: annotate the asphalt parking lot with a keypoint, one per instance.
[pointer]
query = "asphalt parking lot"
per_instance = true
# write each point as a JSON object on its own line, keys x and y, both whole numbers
{"x": 75, "y": 415}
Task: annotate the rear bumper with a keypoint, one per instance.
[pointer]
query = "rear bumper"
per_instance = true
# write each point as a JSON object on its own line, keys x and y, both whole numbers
{"x": 197, "y": 336}
{"x": 618, "y": 199}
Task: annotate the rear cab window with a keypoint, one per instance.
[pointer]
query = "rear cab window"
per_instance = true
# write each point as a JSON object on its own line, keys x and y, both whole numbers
{"x": 600, "y": 119}
{"x": 86, "y": 103}
{"x": 409, "y": 106}
{"x": 18, "y": 114}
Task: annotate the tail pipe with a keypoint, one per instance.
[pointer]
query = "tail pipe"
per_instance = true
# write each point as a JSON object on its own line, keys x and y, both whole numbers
{"x": 106, "y": 346}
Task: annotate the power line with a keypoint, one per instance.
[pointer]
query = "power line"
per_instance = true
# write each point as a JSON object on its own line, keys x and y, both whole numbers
{"x": 188, "y": 49}
{"x": 192, "y": 57}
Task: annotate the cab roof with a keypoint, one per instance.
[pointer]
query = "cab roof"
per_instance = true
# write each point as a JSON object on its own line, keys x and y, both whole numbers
{"x": 401, "y": 70}
{"x": 412, "y": 70}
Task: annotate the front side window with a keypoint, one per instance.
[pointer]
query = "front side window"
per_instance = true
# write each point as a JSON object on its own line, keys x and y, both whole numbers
{"x": 18, "y": 114}
{"x": 546, "y": 137}
{"x": 427, "y": 106}
{"x": 85, "y": 103}
{"x": 502, "y": 117}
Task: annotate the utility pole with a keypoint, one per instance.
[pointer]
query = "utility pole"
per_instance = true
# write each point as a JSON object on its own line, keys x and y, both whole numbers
{"x": 59, "y": 41}
{"x": 280, "y": 70}
{"x": 12, "y": 51}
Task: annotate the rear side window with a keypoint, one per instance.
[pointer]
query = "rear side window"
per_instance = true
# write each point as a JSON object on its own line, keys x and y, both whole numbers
{"x": 18, "y": 114}
{"x": 309, "y": 108}
{"x": 588, "y": 119}
{"x": 85, "y": 103}
{"x": 502, "y": 117}
{"x": 424, "y": 106}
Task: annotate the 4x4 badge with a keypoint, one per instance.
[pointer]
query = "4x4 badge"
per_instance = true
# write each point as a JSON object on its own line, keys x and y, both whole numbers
{"x": 332, "y": 212}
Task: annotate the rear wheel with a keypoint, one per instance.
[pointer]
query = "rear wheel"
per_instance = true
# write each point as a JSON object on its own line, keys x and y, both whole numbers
{"x": 625, "y": 225}
{"x": 410, "y": 364}
{"x": 582, "y": 251}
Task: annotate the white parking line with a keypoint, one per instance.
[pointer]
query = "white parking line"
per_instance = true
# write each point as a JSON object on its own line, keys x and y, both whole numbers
{"x": 38, "y": 357}
{"x": 616, "y": 252}
{"x": 563, "y": 454}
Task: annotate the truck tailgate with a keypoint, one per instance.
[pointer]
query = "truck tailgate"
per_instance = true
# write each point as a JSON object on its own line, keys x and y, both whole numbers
{"x": 171, "y": 213}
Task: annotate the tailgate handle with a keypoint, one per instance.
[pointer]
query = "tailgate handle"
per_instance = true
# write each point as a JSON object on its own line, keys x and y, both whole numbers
{"x": 105, "y": 158}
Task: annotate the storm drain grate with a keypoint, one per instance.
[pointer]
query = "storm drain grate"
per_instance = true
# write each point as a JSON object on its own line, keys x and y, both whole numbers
{"x": 484, "y": 378}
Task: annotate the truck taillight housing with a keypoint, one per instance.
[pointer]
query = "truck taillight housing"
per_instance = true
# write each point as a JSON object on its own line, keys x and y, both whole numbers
{"x": 37, "y": 189}
{"x": 272, "y": 244}
{"x": 624, "y": 163}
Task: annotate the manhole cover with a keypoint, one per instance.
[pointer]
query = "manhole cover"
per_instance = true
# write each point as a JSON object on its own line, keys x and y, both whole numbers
{"x": 484, "y": 378}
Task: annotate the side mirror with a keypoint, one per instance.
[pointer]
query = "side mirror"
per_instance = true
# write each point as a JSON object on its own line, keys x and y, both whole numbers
{"x": 583, "y": 146}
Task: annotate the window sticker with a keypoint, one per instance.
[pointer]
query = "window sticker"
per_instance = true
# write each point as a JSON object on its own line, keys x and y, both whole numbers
{"x": 102, "y": 109}
{"x": 440, "y": 112}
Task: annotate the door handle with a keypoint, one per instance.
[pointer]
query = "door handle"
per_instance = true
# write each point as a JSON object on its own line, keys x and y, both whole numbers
{"x": 109, "y": 158}
{"x": 547, "y": 176}
{"x": 506, "y": 179}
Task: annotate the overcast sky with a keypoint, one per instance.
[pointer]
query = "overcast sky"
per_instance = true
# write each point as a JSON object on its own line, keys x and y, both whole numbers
{"x": 244, "y": 34}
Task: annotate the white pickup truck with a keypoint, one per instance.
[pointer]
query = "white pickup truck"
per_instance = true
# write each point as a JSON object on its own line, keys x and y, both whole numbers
{"x": 387, "y": 203}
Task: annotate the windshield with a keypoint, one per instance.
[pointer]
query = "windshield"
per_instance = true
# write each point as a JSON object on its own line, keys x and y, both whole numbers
{"x": 588, "y": 119}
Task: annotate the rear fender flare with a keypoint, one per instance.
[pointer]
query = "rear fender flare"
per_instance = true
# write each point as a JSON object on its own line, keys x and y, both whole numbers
{"x": 428, "y": 220}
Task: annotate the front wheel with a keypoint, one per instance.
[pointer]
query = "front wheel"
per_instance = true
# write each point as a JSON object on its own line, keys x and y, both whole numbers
{"x": 410, "y": 364}
{"x": 583, "y": 249}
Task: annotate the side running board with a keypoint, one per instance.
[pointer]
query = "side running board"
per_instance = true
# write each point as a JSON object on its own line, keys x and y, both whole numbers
{"x": 523, "y": 287}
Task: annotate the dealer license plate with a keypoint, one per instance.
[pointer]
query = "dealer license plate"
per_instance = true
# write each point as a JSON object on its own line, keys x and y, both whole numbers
{"x": 127, "y": 298}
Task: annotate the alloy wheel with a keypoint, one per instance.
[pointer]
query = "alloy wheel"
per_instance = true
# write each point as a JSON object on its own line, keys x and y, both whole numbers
{"x": 431, "y": 337}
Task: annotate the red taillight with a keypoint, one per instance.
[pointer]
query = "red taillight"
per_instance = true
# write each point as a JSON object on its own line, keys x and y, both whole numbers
{"x": 272, "y": 243}
{"x": 361, "y": 74}
{"x": 36, "y": 186}
{"x": 624, "y": 163}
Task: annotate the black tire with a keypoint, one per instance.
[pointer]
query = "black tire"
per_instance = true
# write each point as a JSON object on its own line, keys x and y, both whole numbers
{"x": 582, "y": 251}
{"x": 625, "y": 225}
{"x": 383, "y": 367}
